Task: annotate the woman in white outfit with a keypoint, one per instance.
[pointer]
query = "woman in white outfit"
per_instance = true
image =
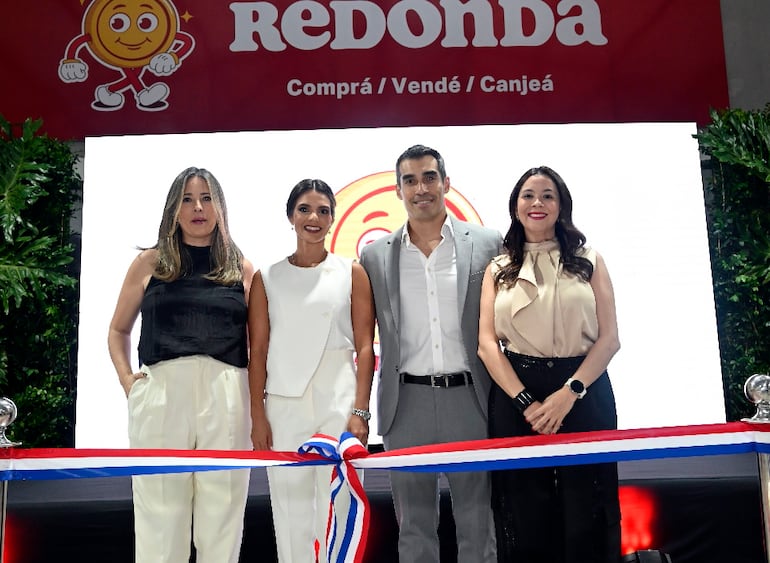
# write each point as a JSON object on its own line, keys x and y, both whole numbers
{"x": 311, "y": 327}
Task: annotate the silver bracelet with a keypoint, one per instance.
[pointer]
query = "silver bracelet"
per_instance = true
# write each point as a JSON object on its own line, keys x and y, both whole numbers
{"x": 366, "y": 415}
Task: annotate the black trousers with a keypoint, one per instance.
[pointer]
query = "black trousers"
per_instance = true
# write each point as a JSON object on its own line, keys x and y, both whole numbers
{"x": 567, "y": 514}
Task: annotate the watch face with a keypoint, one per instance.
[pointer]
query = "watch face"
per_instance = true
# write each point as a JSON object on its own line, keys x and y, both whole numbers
{"x": 577, "y": 386}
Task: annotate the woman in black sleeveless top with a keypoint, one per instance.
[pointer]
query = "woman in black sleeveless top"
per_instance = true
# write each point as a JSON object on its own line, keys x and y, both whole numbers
{"x": 191, "y": 389}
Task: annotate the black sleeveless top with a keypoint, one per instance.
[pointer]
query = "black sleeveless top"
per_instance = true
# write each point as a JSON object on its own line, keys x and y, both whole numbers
{"x": 193, "y": 315}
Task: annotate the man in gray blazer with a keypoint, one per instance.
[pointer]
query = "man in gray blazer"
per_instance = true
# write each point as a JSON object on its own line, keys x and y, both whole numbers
{"x": 433, "y": 388}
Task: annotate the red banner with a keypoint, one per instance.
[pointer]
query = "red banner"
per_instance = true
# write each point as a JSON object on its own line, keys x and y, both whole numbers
{"x": 104, "y": 67}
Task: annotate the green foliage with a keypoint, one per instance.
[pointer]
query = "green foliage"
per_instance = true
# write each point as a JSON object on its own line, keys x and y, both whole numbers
{"x": 38, "y": 284}
{"x": 741, "y": 139}
{"x": 738, "y": 214}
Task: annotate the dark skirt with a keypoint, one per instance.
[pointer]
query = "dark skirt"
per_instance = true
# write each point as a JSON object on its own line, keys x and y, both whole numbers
{"x": 555, "y": 515}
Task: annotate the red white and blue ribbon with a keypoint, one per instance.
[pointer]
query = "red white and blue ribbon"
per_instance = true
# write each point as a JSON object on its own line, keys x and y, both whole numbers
{"x": 502, "y": 453}
{"x": 348, "y": 522}
{"x": 347, "y": 535}
{"x": 577, "y": 448}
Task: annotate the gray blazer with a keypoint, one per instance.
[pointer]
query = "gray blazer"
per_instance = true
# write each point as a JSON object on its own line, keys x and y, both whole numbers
{"x": 475, "y": 246}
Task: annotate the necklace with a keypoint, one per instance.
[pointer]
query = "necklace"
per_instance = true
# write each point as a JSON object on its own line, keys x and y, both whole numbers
{"x": 293, "y": 260}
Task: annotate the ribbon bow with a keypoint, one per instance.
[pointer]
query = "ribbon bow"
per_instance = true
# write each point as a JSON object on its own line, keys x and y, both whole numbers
{"x": 348, "y": 522}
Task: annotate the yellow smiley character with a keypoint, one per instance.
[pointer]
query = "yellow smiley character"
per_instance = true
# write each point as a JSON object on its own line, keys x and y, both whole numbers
{"x": 128, "y": 33}
{"x": 129, "y": 36}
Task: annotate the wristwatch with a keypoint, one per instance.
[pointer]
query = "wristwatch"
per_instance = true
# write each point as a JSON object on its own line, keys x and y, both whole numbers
{"x": 576, "y": 386}
{"x": 366, "y": 415}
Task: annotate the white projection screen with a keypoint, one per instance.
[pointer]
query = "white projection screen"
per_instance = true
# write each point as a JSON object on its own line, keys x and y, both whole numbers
{"x": 637, "y": 194}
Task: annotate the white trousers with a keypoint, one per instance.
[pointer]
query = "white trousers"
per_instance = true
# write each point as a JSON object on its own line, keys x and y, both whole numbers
{"x": 299, "y": 496}
{"x": 192, "y": 403}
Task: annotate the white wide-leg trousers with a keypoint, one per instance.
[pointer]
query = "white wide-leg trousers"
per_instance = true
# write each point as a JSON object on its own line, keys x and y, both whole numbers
{"x": 300, "y": 496}
{"x": 195, "y": 403}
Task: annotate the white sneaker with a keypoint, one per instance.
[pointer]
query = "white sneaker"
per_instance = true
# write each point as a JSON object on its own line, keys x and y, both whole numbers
{"x": 106, "y": 100}
{"x": 153, "y": 98}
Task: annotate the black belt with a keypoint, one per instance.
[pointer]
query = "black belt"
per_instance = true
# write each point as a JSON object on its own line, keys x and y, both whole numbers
{"x": 440, "y": 380}
{"x": 567, "y": 365}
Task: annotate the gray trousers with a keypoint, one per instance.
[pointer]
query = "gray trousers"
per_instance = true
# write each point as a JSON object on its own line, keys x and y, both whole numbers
{"x": 428, "y": 415}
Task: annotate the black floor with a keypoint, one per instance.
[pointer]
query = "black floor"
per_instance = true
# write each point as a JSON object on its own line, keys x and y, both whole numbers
{"x": 699, "y": 510}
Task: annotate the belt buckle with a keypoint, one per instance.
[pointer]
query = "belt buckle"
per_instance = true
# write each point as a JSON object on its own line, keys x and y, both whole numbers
{"x": 434, "y": 379}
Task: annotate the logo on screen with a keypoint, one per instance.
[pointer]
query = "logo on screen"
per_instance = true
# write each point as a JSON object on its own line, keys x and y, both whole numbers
{"x": 129, "y": 37}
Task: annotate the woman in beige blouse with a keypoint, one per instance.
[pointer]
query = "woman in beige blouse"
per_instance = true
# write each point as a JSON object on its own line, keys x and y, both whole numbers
{"x": 549, "y": 302}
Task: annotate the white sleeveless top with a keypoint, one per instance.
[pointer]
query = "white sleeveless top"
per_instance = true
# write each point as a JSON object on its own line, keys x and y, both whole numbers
{"x": 309, "y": 311}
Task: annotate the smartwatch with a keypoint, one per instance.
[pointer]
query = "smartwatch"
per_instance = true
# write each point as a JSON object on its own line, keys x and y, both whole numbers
{"x": 576, "y": 386}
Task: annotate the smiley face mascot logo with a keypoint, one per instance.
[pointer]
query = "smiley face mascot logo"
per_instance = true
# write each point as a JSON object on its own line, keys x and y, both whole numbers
{"x": 129, "y": 36}
{"x": 368, "y": 209}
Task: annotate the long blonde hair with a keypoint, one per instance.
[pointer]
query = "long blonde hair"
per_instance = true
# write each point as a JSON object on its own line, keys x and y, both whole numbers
{"x": 173, "y": 260}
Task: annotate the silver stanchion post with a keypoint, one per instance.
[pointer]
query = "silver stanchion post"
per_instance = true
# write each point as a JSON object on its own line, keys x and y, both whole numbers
{"x": 7, "y": 416}
{"x": 757, "y": 390}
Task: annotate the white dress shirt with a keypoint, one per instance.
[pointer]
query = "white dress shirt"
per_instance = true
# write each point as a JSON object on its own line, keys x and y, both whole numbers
{"x": 430, "y": 335}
